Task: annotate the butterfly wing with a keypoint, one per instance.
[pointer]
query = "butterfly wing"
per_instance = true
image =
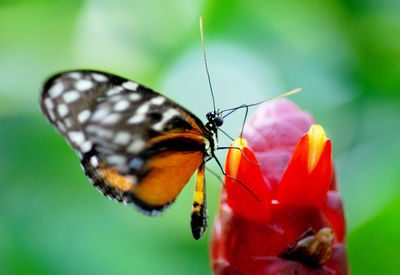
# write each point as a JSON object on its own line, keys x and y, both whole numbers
{"x": 136, "y": 146}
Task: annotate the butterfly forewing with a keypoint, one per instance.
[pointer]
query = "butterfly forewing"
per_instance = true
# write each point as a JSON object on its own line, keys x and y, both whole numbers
{"x": 68, "y": 98}
{"x": 136, "y": 145}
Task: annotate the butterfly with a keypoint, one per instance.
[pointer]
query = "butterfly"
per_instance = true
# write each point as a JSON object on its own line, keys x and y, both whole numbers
{"x": 135, "y": 145}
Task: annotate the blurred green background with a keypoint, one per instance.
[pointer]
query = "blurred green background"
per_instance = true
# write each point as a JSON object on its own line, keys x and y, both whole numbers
{"x": 344, "y": 54}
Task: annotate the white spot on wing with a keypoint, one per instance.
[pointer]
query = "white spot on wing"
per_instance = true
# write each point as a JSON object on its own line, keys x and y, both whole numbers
{"x": 137, "y": 118}
{"x": 116, "y": 98}
{"x": 68, "y": 122}
{"x": 83, "y": 116}
{"x": 144, "y": 108}
{"x": 111, "y": 119}
{"x": 92, "y": 128}
{"x": 136, "y": 146}
{"x": 170, "y": 113}
{"x": 86, "y": 146}
{"x": 121, "y": 105}
{"x": 62, "y": 110}
{"x": 56, "y": 89}
{"x": 107, "y": 134}
{"x": 157, "y": 100}
{"x": 76, "y": 137}
{"x": 70, "y": 96}
{"x": 122, "y": 138}
{"x": 74, "y": 75}
{"x": 94, "y": 161}
{"x": 135, "y": 97}
{"x": 130, "y": 85}
{"x": 114, "y": 91}
{"x": 116, "y": 159}
{"x": 83, "y": 85}
{"x": 100, "y": 113}
{"x": 99, "y": 77}
{"x": 48, "y": 103}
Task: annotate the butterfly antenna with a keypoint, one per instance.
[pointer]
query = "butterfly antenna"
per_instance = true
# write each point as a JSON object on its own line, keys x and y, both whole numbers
{"x": 215, "y": 174}
{"x": 292, "y": 92}
{"x": 205, "y": 62}
{"x": 244, "y": 122}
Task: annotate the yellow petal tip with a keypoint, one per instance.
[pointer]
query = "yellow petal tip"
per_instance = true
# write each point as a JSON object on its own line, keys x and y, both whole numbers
{"x": 316, "y": 139}
{"x": 239, "y": 142}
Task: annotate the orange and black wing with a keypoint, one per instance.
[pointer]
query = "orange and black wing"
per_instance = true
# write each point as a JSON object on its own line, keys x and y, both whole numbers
{"x": 136, "y": 146}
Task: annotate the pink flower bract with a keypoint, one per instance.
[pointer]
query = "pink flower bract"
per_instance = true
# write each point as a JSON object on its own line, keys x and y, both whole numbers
{"x": 283, "y": 213}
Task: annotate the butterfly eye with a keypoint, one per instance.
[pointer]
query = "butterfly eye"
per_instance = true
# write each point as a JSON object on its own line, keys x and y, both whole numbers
{"x": 214, "y": 119}
{"x": 218, "y": 121}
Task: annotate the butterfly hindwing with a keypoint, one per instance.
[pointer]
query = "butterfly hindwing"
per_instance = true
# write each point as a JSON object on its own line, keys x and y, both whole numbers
{"x": 136, "y": 145}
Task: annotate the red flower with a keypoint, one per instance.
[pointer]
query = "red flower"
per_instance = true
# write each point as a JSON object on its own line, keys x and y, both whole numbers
{"x": 293, "y": 223}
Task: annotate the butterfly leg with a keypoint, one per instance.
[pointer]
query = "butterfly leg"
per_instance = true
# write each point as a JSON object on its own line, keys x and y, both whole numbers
{"x": 232, "y": 178}
{"x": 199, "y": 219}
{"x": 241, "y": 151}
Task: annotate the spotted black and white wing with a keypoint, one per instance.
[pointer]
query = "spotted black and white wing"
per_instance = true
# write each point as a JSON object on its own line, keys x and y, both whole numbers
{"x": 136, "y": 146}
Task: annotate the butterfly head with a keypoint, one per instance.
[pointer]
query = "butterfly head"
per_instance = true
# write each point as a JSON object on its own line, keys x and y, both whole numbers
{"x": 215, "y": 120}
